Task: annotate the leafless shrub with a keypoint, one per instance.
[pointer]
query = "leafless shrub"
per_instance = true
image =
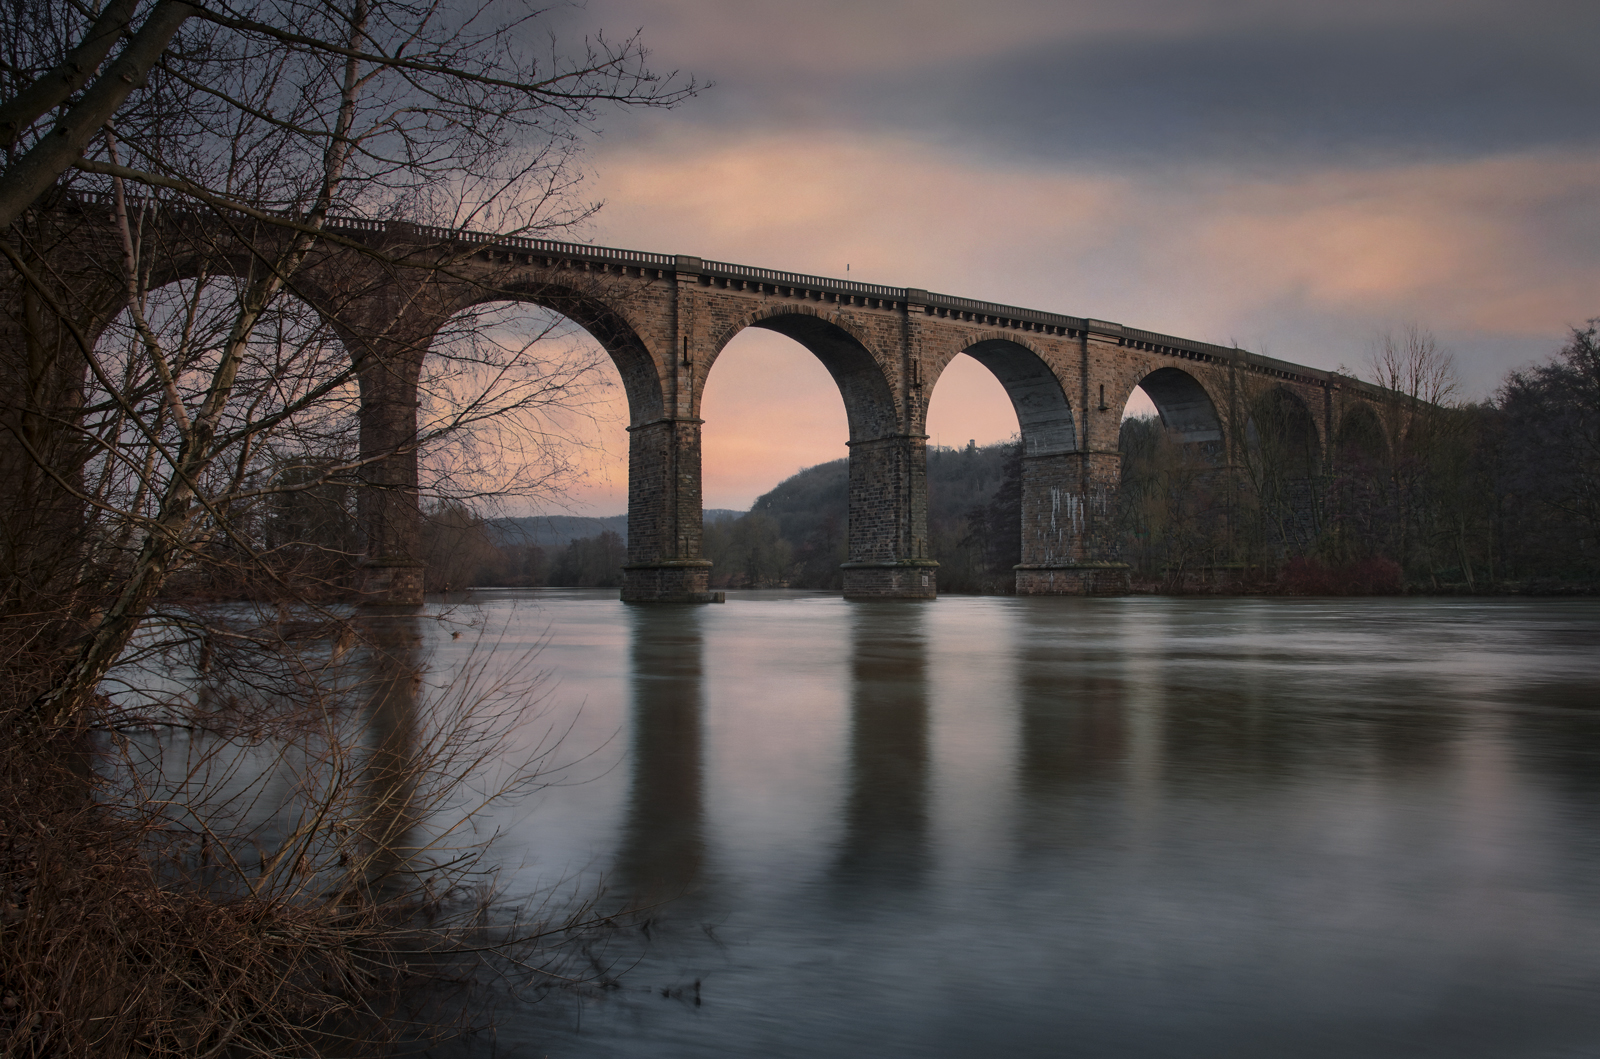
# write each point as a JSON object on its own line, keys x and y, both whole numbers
{"x": 296, "y": 870}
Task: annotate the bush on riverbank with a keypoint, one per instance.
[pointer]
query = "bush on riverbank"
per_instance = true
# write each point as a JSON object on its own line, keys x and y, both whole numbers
{"x": 1361, "y": 577}
{"x": 149, "y": 906}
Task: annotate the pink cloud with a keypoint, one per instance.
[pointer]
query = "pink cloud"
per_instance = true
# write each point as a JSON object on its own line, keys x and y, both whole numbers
{"x": 1304, "y": 266}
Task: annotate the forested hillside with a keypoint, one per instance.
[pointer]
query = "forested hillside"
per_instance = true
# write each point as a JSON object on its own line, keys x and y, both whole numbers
{"x": 1425, "y": 494}
{"x": 794, "y": 536}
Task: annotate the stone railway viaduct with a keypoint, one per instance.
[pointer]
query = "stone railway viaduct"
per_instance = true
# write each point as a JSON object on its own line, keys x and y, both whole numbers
{"x": 389, "y": 287}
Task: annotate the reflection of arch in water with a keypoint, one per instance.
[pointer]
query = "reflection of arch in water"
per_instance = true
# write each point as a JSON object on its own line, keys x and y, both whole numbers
{"x": 391, "y": 675}
{"x": 886, "y": 813}
{"x": 1073, "y": 734}
{"x": 663, "y": 842}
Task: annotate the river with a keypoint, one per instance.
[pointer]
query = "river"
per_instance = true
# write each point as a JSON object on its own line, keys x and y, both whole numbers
{"x": 1065, "y": 827}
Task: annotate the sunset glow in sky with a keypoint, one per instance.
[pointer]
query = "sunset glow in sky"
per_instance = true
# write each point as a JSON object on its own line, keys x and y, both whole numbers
{"x": 1289, "y": 176}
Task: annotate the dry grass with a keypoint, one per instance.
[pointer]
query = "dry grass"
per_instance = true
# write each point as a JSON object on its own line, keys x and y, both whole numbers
{"x": 297, "y": 875}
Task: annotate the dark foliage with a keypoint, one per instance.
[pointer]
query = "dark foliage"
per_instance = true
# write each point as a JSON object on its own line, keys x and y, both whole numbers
{"x": 795, "y": 535}
{"x": 1550, "y": 462}
{"x": 1418, "y": 495}
{"x": 977, "y": 548}
{"x": 811, "y": 512}
{"x": 591, "y": 562}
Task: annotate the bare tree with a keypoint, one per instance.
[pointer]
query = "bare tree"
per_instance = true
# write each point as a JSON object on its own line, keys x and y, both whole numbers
{"x": 260, "y": 123}
{"x": 183, "y": 416}
{"x": 1173, "y": 505}
{"x": 1421, "y": 381}
{"x": 415, "y": 95}
{"x": 1412, "y": 366}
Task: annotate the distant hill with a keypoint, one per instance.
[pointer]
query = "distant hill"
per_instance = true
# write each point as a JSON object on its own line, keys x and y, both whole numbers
{"x": 796, "y": 533}
{"x": 805, "y": 503}
{"x": 554, "y": 531}
{"x": 558, "y": 531}
{"x": 958, "y": 481}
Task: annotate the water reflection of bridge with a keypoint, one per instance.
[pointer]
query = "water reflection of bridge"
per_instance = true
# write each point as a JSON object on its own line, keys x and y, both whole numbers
{"x": 1078, "y": 728}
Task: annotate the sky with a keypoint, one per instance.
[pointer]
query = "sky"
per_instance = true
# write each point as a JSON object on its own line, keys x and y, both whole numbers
{"x": 1294, "y": 177}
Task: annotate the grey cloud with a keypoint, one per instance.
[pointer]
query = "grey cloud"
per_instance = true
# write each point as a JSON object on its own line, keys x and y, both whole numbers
{"x": 1423, "y": 92}
{"x": 1264, "y": 97}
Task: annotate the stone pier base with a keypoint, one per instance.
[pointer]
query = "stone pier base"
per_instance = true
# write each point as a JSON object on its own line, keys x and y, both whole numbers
{"x": 668, "y": 581}
{"x": 391, "y": 583}
{"x": 1072, "y": 579}
{"x": 908, "y": 579}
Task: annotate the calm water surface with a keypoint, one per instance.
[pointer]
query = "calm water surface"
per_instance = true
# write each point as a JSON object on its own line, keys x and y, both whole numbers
{"x": 1058, "y": 827}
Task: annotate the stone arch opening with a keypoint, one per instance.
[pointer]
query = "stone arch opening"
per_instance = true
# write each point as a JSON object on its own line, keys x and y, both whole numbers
{"x": 886, "y": 532}
{"x": 1183, "y": 405}
{"x": 868, "y": 398}
{"x": 775, "y": 489}
{"x": 1170, "y": 479}
{"x": 1281, "y": 432}
{"x": 519, "y": 391}
{"x": 1361, "y": 441}
{"x": 976, "y": 496}
{"x": 1044, "y": 415}
{"x": 515, "y": 394}
{"x": 1283, "y": 456}
{"x": 277, "y": 456}
{"x": 287, "y": 362}
{"x": 640, "y": 377}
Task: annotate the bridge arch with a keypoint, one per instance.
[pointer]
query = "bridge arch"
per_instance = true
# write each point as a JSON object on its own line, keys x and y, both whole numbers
{"x": 382, "y": 284}
{"x": 1282, "y": 433}
{"x": 1044, "y": 413}
{"x": 1185, "y": 406}
{"x": 843, "y": 349}
{"x": 1360, "y": 439}
{"x": 641, "y": 379}
{"x": 1283, "y": 453}
{"x": 887, "y": 549}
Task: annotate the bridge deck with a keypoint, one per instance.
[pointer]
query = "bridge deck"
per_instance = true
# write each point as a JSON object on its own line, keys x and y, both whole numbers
{"x": 801, "y": 284}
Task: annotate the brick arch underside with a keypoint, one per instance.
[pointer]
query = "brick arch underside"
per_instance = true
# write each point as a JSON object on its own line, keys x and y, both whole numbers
{"x": 1280, "y": 418}
{"x": 318, "y": 284}
{"x": 170, "y": 269}
{"x": 641, "y": 377}
{"x": 1044, "y": 415}
{"x": 1187, "y": 410}
{"x": 868, "y": 396}
{"x": 1361, "y": 435}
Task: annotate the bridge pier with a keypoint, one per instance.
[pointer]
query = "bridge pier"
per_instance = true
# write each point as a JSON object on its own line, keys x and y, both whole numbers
{"x": 1068, "y": 542}
{"x": 43, "y": 454}
{"x": 391, "y": 571}
{"x": 889, "y": 520}
{"x": 664, "y": 520}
